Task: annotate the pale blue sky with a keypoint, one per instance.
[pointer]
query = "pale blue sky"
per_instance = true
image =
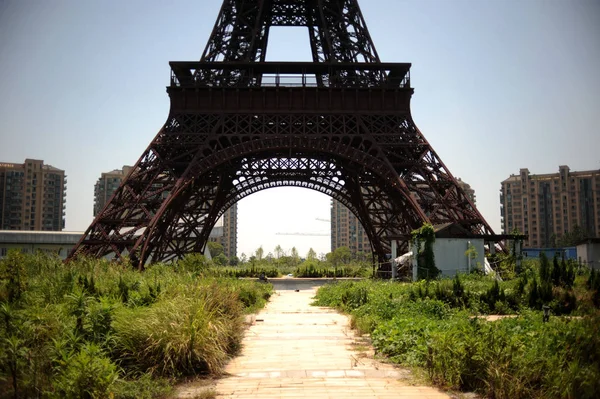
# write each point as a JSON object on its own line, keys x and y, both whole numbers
{"x": 499, "y": 85}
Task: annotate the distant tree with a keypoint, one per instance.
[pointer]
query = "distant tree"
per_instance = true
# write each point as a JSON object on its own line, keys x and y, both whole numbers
{"x": 311, "y": 255}
{"x": 234, "y": 261}
{"x": 545, "y": 271}
{"x": 243, "y": 258}
{"x": 221, "y": 260}
{"x": 279, "y": 251}
{"x": 534, "y": 294}
{"x": 260, "y": 252}
{"x": 330, "y": 257}
{"x": 285, "y": 261}
{"x": 471, "y": 253}
{"x": 564, "y": 273}
{"x": 556, "y": 270}
{"x": 570, "y": 274}
{"x": 215, "y": 248}
{"x": 295, "y": 257}
{"x": 340, "y": 256}
{"x": 362, "y": 256}
{"x": 571, "y": 238}
{"x": 269, "y": 258}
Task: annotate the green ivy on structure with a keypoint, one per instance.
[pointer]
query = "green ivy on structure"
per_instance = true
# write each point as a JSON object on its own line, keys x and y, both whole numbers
{"x": 426, "y": 269}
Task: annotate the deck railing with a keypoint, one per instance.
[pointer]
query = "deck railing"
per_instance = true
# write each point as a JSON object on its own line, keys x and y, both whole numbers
{"x": 284, "y": 74}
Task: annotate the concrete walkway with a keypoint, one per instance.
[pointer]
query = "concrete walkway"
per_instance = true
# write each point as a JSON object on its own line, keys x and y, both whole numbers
{"x": 294, "y": 350}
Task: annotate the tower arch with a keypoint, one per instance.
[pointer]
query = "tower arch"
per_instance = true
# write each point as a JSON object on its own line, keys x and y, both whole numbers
{"x": 239, "y": 124}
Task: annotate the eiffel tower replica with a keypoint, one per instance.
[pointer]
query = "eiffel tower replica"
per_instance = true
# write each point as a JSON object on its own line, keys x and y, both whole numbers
{"x": 238, "y": 124}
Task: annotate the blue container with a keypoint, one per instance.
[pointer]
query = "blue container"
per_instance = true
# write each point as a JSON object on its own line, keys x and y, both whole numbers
{"x": 567, "y": 252}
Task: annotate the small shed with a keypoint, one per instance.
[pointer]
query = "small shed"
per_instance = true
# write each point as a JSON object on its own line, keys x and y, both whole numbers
{"x": 452, "y": 242}
{"x": 456, "y": 250}
{"x": 588, "y": 252}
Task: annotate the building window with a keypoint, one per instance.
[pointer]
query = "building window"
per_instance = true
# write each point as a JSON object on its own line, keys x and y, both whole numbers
{"x": 3, "y": 251}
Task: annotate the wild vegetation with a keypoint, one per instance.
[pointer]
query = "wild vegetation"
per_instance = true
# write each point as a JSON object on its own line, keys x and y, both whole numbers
{"x": 423, "y": 239}
{"x": 96, "y": 329}
{"x": 439, "y": 327}
{"x": 339, "y": 263}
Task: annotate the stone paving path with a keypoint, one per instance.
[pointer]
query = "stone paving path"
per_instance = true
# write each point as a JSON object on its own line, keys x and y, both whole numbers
{"x": 294, "y": 350}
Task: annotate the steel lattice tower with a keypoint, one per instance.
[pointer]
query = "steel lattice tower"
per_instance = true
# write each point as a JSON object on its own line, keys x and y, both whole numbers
{"x": 340, "y": 124}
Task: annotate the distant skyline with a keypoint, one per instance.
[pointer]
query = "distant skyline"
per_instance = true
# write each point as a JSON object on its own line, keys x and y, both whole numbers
{"x": 499, "y": 86}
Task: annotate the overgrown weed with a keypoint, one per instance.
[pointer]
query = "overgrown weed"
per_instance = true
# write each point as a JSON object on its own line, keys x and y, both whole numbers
{"x": 97, "y": 329}
{"x": 430, "y": 325}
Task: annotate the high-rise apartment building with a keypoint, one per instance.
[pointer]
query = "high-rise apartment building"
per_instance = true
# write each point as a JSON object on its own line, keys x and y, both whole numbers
{"x": 470, "y": 193}
{"x": 108, "y": 183}
{"x": 32, "y": 196}
{"x": 547, "y": 206}
{"x": 229, "y": 237}
{"x": 346, "y": 230}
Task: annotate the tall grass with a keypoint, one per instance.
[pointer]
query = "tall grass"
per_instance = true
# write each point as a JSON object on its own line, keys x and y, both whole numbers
{"x": 184, "y": 335}
{"x": 435, "y": 326}
{"x": 97, "y": 329}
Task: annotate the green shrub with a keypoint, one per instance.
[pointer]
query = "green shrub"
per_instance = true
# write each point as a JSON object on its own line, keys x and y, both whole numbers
{"x": 182, "y": 336}
{"x": 593, "y": 284}
{"x": 248, "y": 297}
{"x": 144, "y": 387}
{"x": 355, "y": 297}
{"x": 98, "y": 327}
{"x": 545, "y": 270}
{"x": 507, "y": 358}
{"x": 13, "y": 277}
{"x": 316, "y": 269}
{"x": 242, "y": 272}
{"x": 426, "y": 257}
{"x": 87, "y": 374}
{"x": 193, "y": 263}
{"x": 420, "y": 325}
{"x": 70, "y": 329}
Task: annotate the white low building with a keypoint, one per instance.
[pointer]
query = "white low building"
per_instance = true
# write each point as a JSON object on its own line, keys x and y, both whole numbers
{"x": 456, "y": 250}
{"x": 57, "y": 242}
{"x": 458, "y": 255}
{"x": 588, "y": 253}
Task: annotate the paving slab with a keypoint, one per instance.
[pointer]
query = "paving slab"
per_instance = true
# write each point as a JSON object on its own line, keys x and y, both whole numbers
{"x": 294, "y": 350}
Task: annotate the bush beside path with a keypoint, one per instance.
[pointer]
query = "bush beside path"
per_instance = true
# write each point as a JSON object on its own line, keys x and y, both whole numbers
{"x": 441, "y": 327}
{"x": 98, "y": 329}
